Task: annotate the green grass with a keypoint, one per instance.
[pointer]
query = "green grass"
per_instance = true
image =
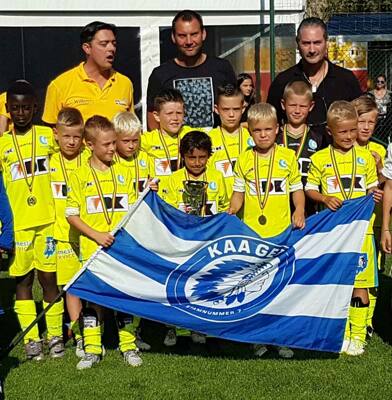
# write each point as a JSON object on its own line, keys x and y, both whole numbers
{"x": 219, "y": 370}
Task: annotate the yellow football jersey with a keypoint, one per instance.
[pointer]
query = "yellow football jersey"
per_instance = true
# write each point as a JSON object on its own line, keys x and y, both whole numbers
{"x": 140, "y": 169}
{"x": 322, "y": 174}
{"x": 285, "y": 179}
{"x": 216, "y": 199}
{"x": 60, "y": 170}
{"x": 83, "y": 199}
{"x": 164, "y": 153}
{"x": 36, "y": 207}
{"x": 226, "y": 148}
{"x": 3, "y": 101}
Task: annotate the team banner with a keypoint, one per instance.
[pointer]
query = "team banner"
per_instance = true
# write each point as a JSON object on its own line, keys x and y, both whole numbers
{"x": 216, "y": 276}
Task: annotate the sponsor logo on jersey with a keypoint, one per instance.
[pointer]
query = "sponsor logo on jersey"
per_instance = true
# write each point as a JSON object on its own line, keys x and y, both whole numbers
{"x": 304, "y": 164}
{"x": 59, "y": 190}
{"x": 278, "y": 186}
{"x": 121, "y": 102}
{"x": 50, "y": 246}
{"x": 163, "y": 167}
{"x": 94, "y": 205}
{"x": 225, "y": 167}
{"x": 333, "y": 184}
{"x": 362, "y": 263}
{"x": 209, "y": 209}
{"x": 242, "y": 275}
{"x": 141, "y": 184}
{"x": 41, "y": 168}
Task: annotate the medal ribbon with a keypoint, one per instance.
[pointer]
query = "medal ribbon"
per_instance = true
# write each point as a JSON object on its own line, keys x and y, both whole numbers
{"x": 166, "y": 149}
{"x": 263, "y": 203}
{"x": 101, "y": 196}
{"x": 225, "y": 147}
{"x": 21, "y": 160}
{"x": 64, "y": 169}
{"x": 301, "y": 144}
{"x": 204, "y": 179}
{"x": 337, "y": 175}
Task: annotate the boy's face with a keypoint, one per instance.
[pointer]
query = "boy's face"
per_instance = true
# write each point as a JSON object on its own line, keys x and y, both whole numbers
{"x": 69, "y": 138}
{"x": 264, "y": 133}
{"x": 128, "y": 144}
{"x": 196, "y": 161}
{"x": 170, "y": 117}
{"x": 103, "y": 146}
{"x": 344, "y": 133}
{"x": 297, "y": 108}
{"x": 22, "y": 109}
{"x": 366, "y": 125}
{"x": 230, "y": 111}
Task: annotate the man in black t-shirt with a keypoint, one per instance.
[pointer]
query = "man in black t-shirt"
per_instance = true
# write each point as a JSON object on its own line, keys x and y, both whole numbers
{"x": 329, "y": 82}
{"x": 192, "y": 72}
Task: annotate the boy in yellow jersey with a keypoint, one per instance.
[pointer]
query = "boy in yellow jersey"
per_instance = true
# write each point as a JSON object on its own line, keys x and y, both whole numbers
{"x": 344, "y": 171}
{"x": 68, "y": 132}
{"x": 128, "y": 130}
{"x": 266, "y": 176}
{"x": 195, "y": 150}
{"x": 367, "y": 119}
{"x": 230, "y": 139}
{"x": 99, "y": 195}
{"x": 24, "y": 154}
{"x": 163, "y": 144}
{"x": 297, "y": 102}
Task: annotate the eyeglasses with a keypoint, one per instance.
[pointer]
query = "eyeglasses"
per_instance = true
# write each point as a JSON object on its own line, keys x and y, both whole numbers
{"x": 378, "y": 81}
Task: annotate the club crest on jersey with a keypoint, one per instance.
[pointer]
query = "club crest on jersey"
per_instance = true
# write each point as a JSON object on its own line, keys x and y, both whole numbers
{"x": 282, "y": 164}
{"x": 231, "y": 278}
{"x": 362, "y": 263}
{"x": 143, "y": 163}
{"x": 121, "y": 179}
{"x": 250, "y": 142}
{"x": 43, "y": 140}
{"x": 212, "y": 185}
{"x": 50, "y": 247}
{"x": 360, "y": 161}
{"x": 312, "y": 144}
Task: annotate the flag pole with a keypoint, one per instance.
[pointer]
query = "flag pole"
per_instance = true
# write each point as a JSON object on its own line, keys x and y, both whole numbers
{"x": 16, "y": 340}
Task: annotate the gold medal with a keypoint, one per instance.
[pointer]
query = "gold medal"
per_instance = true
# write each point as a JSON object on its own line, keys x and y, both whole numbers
{"x": 31, "y": 201}
{"x": 262, "y": 203}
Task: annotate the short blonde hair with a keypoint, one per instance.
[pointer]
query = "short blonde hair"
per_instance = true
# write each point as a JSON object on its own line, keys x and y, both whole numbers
{"x": 96, "y": 124}
{"x": 364, "y": 104}
{"x": 261, "y": 111}
{"x": 340, "y": 111}
{"x": 126, "y": 123}
{"x": 69, "y": 116}
{"x": 299, "y": 88}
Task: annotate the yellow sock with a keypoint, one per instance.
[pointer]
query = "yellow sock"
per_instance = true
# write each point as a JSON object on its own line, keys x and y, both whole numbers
{"x": 182, "y": 332}
{"x": 26, "y": 312}
{"x": 358, "y": 316}
{"x": 127, "y": 338}
{"x": 54, "y": 319}
{"x": 372, "y": 306}
{"x": 92, "y": 340}
{"x": 136, "y": 322}
{"x": 75, "y": 328}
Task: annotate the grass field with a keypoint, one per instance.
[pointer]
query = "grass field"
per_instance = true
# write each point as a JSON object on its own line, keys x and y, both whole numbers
{"x": 219, "y": 370}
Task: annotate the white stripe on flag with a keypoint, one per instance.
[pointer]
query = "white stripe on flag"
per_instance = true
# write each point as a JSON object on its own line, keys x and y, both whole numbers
{"x": 153, "y": 235}
{"x": 126, "y": 279}
{"x": 323, "y": 301}
{"x": 341, "y": 239}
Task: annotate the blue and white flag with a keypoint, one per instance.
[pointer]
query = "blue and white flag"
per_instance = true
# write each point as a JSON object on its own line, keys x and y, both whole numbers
{"x": 216, "y": 276}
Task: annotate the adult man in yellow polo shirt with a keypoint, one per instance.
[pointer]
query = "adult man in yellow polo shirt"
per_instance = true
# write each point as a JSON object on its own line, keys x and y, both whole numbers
{"x": 93, "y": 87}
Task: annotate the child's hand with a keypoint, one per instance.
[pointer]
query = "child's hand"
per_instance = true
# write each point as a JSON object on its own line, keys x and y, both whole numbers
{"x": 333, "y": 203}
{"x": 298, "y": 219}
{"x": 377, "y": 195}
{"x": 386, "y": 241}
{"x": 104, "y": 239}
{"x": 153, "y": 184}
{"x": 231, "y": 211}
{"x": 377, "y": 158}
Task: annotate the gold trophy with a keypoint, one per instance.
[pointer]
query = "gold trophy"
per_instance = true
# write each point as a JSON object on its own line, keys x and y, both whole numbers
{"x": 195, "y": 196}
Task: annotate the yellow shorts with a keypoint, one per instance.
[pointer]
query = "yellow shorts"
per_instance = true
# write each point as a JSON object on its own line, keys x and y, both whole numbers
{"x": 34, "y": 248}
{"x": 68, "y": 262}
{"x": 367, "y": 271}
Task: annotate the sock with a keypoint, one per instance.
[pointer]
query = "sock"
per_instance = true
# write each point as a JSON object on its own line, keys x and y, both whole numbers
{"x": 183, "y": 332}
{"x": 26, "y": 312}
{"x": 372, "y": 306}
{"x": 54, "y": 319}
{"x": 126, "y": 333}
{"x": 75, "y": 328}
{"x": 92, "y": 340}
{"x": 358, "y": 316}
